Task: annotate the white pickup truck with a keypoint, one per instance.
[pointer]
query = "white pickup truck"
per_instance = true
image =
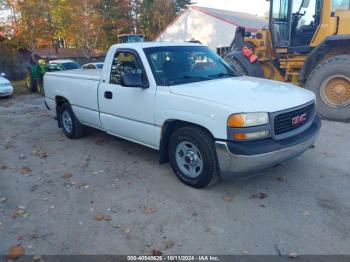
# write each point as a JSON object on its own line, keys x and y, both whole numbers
{"x": 186, "y": 102}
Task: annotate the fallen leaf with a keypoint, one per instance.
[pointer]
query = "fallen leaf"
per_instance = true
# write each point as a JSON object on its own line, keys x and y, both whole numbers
{"x": 84, "y": 163}
{"x": 169, "y": 244}
{"x": 3, "y": 200}
{"x": 67, "y": 175}
{"x": 228, "y": 199}
{"x": 25, "y": 170}
{"x": 82, "y": 185}
{"x": 293, "y": 255}
{"x": 3, "y": 167}
{"x": 148, "y": 211}
{"x": 19, "y": 238}
{"x": 15, "y": 252}
{"x": 261, "y": 195}
{"x": 156, "y": 253}
{"x": 281, "y": 179}
{"x": 34, "y": 235}
{"x": 20, "y": 211}
{"x": 102, "y": 217}
{"x": 41, "y": 154}
{"x": 244, "y": 253}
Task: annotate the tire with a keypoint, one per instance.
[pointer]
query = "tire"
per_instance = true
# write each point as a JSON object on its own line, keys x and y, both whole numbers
{"x": 30, "y": 82}
{"x": 71, "y": 126}
{"x": 40, "y": 88}
{"x": 236, "y": 66}
{"x": 192, "y": 148}
{"x": 330, "y": 81}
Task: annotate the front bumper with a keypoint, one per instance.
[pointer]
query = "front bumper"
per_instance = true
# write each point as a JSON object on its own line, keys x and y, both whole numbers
{"x": 248, "y": 157}
{"x": 6, "y": 92}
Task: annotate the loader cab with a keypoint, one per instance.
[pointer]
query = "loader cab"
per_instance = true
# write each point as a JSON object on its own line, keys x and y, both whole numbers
{"x": 293, "y": 23}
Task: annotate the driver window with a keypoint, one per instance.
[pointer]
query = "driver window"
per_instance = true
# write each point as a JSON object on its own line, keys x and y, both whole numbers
{"x": 124, "y": 62}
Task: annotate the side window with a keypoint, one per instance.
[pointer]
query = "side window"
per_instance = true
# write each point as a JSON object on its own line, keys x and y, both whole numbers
{"x": 340, "y": 5}
{"x": 124, "y": 62}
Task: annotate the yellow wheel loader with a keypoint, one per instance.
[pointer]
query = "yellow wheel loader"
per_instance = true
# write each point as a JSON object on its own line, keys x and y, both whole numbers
{"x": 307, "y": 43}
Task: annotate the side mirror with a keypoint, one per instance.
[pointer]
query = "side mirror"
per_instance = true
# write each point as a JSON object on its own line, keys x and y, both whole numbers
{"x": 133, "y": 80}
{"x": 3, "y": 74}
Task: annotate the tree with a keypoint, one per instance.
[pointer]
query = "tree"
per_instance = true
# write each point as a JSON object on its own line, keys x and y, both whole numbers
{"x": 181, "y": 5}
{"x": 85, "y": 23}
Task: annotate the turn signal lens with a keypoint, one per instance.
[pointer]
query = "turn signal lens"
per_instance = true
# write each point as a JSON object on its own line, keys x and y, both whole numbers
{"x": 255, "y": 135}
{"x": 248, "y": 119}
{"x": 236, "y": 121}
{"x": 239, "y": 136}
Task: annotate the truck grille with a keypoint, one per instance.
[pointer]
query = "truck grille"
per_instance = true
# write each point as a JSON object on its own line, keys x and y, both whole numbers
{"x": 289, "y": 121}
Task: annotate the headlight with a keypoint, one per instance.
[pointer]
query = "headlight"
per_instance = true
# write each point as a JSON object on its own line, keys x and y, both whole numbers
{"x": 248, "y": 120}
{"x": 5, "y": 84}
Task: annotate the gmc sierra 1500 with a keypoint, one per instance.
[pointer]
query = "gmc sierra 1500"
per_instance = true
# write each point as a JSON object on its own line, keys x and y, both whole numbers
{"x": 186, "y": 102}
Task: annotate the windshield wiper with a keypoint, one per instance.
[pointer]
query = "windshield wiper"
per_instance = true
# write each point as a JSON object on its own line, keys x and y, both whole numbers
{"x": 222, "y": 75}
{"x": 197, "y": 77}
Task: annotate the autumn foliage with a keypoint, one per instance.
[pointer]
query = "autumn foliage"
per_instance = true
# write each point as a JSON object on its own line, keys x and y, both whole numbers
{"x": 88, "y": 24}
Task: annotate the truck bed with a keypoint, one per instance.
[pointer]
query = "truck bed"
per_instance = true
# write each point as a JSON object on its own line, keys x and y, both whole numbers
{"x": 89, "y": 74}
{"x": 80, "y": 88}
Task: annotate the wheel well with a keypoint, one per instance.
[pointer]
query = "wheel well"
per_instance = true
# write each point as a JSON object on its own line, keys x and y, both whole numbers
{"x": 60, "y": 100}
{"x": 331, "y": 46}
{"x": 168, "y": 128}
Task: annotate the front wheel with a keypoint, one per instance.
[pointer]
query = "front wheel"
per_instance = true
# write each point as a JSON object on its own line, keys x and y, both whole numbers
{"x": 193, "y": 157}
{"x": 330, "y": 81}
{"x": 71, "y": 126}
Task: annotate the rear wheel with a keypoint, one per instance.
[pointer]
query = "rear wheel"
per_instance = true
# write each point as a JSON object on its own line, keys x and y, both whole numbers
{"x": 30, "y": 81}
{"x": 330, "y": 81}
{"x": 193, "y": 157}
{"x": 71, "y": 126}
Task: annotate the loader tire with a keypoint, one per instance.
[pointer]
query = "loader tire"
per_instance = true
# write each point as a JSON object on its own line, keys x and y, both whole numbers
{"x": 330, "y": 81}
{"x": 236, "y": 66}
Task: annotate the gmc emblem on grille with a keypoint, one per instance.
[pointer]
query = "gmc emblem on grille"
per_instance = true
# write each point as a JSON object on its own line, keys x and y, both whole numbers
{"x": 299, "y": 119}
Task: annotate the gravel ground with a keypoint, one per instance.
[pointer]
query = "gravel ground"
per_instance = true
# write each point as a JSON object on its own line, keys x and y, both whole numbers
{"x": 53, "y": 191}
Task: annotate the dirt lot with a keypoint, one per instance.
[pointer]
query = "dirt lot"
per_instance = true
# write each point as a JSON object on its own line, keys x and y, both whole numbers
{"x": 53, "y": 189}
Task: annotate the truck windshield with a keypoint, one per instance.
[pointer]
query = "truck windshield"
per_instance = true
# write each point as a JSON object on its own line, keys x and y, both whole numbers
{"x": 175, "y": 65}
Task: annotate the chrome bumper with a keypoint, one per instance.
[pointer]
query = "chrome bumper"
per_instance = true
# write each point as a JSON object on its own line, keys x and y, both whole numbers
{"x": 241, "y": 164}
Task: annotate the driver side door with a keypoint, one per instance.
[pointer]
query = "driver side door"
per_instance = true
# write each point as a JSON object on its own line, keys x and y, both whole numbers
{"x": 127, "y": 112}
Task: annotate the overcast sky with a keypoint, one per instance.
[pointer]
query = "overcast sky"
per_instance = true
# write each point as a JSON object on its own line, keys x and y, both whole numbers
{"x": 255, "y": 7}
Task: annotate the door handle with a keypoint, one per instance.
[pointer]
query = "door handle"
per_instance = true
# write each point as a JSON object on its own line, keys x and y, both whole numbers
{"x": 108, "y": 95}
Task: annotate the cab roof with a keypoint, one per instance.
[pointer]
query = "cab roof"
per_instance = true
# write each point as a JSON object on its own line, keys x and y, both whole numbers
{"x": 153, "y": 44}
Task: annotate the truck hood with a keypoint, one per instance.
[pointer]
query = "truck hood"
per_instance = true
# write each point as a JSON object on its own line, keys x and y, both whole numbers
{"x": 247, "y": 94}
